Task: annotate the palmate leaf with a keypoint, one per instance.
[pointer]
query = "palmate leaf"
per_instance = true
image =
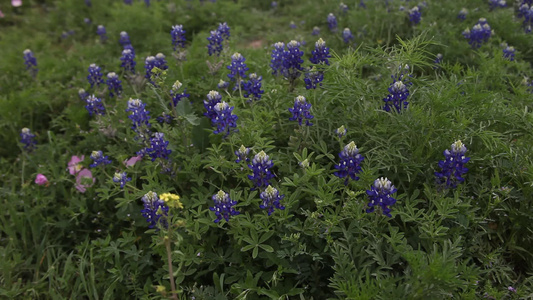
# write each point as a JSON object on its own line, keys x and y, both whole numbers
{"x": 184, "y": 109}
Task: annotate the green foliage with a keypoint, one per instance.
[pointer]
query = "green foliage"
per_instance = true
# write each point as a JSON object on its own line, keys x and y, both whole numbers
{"x": 472, "y": 242}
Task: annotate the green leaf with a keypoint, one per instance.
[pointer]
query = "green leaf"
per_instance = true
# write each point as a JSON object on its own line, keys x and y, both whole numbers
{"x": 247, "y": 247}
{"x": 192, "y": 119}
{"x": 267, "y": 248}
{"x": 184, "y": 110}
{"x": 266, "y": 236}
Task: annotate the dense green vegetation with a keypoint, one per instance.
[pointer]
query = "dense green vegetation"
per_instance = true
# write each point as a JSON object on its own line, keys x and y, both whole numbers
{"x": 469, "y": 242}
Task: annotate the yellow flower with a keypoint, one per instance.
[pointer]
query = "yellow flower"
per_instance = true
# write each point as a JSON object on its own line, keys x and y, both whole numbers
{"x": 160, "y": 289}
{"x": 172, "y": 200}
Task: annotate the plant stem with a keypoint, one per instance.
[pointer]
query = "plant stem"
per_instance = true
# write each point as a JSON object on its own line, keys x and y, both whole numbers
{"x": 170, "y": 271}
{"x": 181, "y": 69}
{"x": 239, "y": 80}
{"x": 22, "y": 172}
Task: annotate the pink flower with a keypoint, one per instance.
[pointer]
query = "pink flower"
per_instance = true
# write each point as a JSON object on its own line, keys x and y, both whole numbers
{"x": 16, "y": 3}
{"x": 74, "y": 166}
{"x": 41, "y": 180}
{"x": 83, "y": 180}
{"x": 132, "y": 161}
{"x": 1, "y": 14}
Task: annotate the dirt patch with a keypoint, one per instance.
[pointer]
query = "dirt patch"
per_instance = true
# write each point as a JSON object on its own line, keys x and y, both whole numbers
{"x": 255, "y": 44}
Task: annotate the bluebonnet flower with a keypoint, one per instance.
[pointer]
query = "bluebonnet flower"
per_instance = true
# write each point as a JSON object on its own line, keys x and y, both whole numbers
{"x": 161, "y": 61}
{"x": 292, "y": 25}
{"x": 301, "y": 111}
{"x": 124, "y": 39}
{"x": 154, "y": 209}
{"x": 165, "y": 118}
{"x": 320, "y": 54}
{"x": 526, "y": 11}
{"x": 30, "y": 61}
{"x": 260, "y": 166}
{"x": 88, "y": 3}
{"x": 479, "y": 34}
{"x": 95, "y": 76}
{"x": 237, "y": 68}
{"x": 438, "y": 59}
{"x": 139, "y": 115}
{"x": 313, "y": 79}
{"x": 100, "y": 30}
{"x": 66, "y": 34}
{"x": 128, "y": 2}
{"x": 493, "y": 4}
{"x": 528, "y": 83}
{"x": 147, "y": 2}
{"x": 397, "y": 97}
{"x": 414, "y": 15}
{"x": 362, "y": 4}
{"x": 215, "y": 43}
{"x": 242, "y": 154}
{"x": 224, "y": 207}
{"x": 87, "y": 21}
{"x": 114, "y": 85}
{"x": 149, "y": 64}
{"x": 387, "y": 3}
{"x": 224, "y": 119}
{"x": 271, "y": 199}
{"x": 509, "y": 53}
{"x": 301, "y": 40}
{"x": 223, "y": 85}
{"x": 176, "y": 97}
{"x": 128, "y": 60}
{"x": 99, "y": 159}
{"x": 304, "y": 164}
{"x": 252, "y": 87}
{"x": 178, "y": 37}
{"x": 332, "y": 22}
{"x": 94, "y": 106}
{"x": 316, "y": 31}
{"x": 350, "y": 163}
{"x": 347, "y": 35}
{"x": 380, "y": 194}
{"x": 223, "y": 29}
{"x": 122, "y": 178}
{"x": 482, "y": 21}
{"x": 292, "y": 60}
{"x": 343, "y": 8}
{"x": 274, "y": 4}
{"x": 398, "y": 93}
{"x": 462, "y": 14}
{"x": 452, "y": 168}
{"x": 213, "y": 98}
{"x": 277, "y": 58}
{"x": 158, "y": 147}
{"x": 83, "y": 94}
{"x": 340, "y": 132}
{"x": 130, "y": 47}
{"x": 28, "y": 139}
